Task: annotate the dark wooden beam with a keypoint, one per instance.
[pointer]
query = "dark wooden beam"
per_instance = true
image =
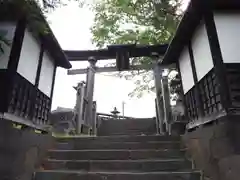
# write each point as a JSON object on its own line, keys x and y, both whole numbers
{"x": 37, "y": 79}
{"x": 14, "y": 59}
{"x": 53, "y": 83}
{"x": 194, "y": 72}
{"x": 199, "y": 102}
{"x": 219, "y": 67}
{"x": 182, "y": 93}
{"x": 17, "y": 46}
{"x": 105, "y": 54}
{"x": 111, "y": 69}
{"x": 40, "y": 60}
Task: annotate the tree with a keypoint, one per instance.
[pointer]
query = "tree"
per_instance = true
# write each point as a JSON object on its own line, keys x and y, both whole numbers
{"x": 136, "y": 21}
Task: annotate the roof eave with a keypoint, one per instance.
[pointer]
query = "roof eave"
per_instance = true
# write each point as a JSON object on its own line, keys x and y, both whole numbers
{"x": 54, "y": 49}
{"x": 184, "y": 33}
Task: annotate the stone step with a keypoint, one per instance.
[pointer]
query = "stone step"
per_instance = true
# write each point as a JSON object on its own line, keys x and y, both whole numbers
{"x": 129, "y": 126}
{"x": 123, "y": 138}
{"x": 76, "y": 175}
{"x": 117, "y": 145}
{"x": 103, "y": 132}
{"x": 128, "y": 132}
{"x": 114, "y": 154}
{"x": 151, "y": 165}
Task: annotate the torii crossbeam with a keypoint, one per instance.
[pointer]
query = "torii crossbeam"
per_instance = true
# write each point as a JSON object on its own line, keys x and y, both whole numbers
{"x": 111, "y": 51}
{"x": 121, "y": 53}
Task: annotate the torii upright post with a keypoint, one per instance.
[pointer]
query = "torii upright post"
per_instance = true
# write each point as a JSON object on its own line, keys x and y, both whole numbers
{"x": 166, "y": 104}
{"x": 79, "y": 108}
{"x": 88, "y": 116}
{"x": 157, "y": 70}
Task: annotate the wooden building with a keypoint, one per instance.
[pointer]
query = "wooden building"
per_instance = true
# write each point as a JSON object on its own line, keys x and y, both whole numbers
{"x": 27, "y": 67}
{"x": 206, "y": 50}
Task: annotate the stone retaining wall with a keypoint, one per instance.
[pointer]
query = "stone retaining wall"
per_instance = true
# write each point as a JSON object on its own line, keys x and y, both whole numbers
{"x": 21, "y": 151}
{"x": 215, "y": 148}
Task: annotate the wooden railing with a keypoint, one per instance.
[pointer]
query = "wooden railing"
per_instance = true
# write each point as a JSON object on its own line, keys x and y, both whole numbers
{"x": 27, "y": 101}
{"x": 112, "y": 117}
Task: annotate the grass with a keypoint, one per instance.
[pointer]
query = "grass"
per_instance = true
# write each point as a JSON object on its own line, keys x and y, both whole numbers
{"x": 59, "y": 135}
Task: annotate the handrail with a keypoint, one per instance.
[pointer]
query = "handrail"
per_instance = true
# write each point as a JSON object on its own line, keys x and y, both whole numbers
{"x": 114, "y": 116}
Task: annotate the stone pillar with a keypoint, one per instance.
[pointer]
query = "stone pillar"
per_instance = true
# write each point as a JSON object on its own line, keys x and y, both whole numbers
{"x": 94, "y": 118}
{"x": 90, "y": 90}
{"x": 22, "y": 150}
{"x": 166, "y": 104}
{"x": 159, "y": 106}
{"x": 79, "y": 108}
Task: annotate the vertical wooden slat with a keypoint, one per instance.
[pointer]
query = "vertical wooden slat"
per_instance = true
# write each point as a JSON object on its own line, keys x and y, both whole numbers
{"x": 182, "y": 93}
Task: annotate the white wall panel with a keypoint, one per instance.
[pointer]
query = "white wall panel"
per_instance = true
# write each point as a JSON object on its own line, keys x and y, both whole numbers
{"x": 46, "y": 75}
{"x": 201, "y": 52}
{"x": 8, "y": 30}
{"x": 29, "y": 57}
{"x": 228, "y": 29}
{"x": 186, "y": 70}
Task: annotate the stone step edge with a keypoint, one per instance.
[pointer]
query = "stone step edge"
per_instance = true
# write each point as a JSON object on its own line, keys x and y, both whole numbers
{"x": 121, "y": 160}
{"x": 131, "y": 142}
{"x": 115, "y": 137}
{"x": 117, "y": 172}
{"x": 115, "y": 150}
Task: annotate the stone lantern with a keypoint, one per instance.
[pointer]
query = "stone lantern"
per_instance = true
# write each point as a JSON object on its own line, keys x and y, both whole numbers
{"x": 115, "y": 112}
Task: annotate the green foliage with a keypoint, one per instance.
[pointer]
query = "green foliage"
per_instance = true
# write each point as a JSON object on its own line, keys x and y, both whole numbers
{"x": 136, "y": 21}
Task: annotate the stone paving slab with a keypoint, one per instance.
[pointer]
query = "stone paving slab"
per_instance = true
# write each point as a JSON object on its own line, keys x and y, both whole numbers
{"x": 146, "y": 165}
{"x": 114, "y": 154}
{"x": 76, "y": 175}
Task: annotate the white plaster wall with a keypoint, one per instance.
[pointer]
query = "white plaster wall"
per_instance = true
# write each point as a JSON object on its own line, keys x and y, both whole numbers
{"x": 186, "y": 70}
{"x": 201, "y": 52}
{"x": 8, "y": 30}
{"x": 46, "y": 75}
{"x": 29, "y": 57}
{"x": 228, "y": 29}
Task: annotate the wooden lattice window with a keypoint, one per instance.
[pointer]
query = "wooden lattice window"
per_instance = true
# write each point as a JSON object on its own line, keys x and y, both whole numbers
{"x": 191, "y": 104}
{"x": 209, "y": 94}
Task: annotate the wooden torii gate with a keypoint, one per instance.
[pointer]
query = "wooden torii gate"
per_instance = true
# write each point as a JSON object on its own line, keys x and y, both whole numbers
{"x": 122, "y": 54}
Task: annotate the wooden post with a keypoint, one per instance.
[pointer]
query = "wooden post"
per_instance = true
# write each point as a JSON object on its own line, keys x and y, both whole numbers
{"x": 79, "y": 108}
{"x": 89, "y": 91}
{"x": 198, "y": 99}
{"x": 157, "y": 117}
{"x": 94, "y": 118}
{"x": 159, "y": 106}
{"x": 166, "y": 104}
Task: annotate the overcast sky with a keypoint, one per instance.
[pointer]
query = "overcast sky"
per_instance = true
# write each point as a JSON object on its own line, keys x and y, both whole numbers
{"x": 71, "y": 25}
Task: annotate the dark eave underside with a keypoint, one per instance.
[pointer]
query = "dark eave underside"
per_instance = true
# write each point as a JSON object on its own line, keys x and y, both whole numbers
{"x": 189, "y": 23}
{"x": 105, "y": 54}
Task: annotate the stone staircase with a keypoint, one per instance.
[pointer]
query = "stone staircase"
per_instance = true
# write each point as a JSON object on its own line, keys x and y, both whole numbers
{"x": 124, "y": 150}
{"x": 118, "y": 157}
